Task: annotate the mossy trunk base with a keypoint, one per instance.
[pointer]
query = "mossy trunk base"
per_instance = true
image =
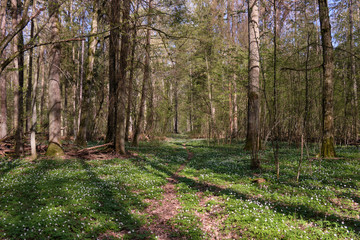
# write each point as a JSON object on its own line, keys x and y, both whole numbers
{"x": 328, "y": 148}
{"x": 249, "y": 145}
{"x": 54, "y": 150}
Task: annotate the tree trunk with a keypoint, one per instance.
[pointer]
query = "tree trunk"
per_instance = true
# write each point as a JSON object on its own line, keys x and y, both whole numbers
{"x": 252, "y": 139}
{"x": 275, "y": 104}
{"x": 85, "y": 106}
{"x": 33, "y": 95}
{"x": 130, "y": 82}
{"x": 3, "y": 108}
{"x": 146, "y": 79}
{"x": 30, "y": 82}
{"x": 42, "y": 86}
{"x": 80, "y": 88}
{"x": 212, "y": 123}
{"x": 54, "y": 149}
{"x": 327, "y": 148}
{"x": 353, "y": 71}
{"x": 18, "y": 79}
{"x": 121, "y": 90}
{"x": 113, "y": 69}
{"x": 176, "y": 106}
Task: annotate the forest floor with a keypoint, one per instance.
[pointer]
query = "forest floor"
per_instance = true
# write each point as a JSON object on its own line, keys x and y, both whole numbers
{"x": 181, "y": 189}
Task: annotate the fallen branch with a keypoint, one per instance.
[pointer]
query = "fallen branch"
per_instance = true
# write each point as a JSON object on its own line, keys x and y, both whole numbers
{"x": 95, "y": 147}
{"x": 7, "y": 137}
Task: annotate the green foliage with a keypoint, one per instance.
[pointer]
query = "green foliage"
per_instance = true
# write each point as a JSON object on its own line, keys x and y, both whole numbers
{"x": 78, "y": 199}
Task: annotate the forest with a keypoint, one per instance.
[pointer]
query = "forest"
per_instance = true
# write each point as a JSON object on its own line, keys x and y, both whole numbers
{"x": 179, "y": 119}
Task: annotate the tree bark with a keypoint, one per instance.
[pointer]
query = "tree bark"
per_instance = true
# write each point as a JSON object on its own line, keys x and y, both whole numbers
{"x": 85, "y": 107}
{"x": 130, "y": 83}
{"x": 253, "y": 122}
{"x": 33, "y": 121}
{"x": 146, "y": 79}
{"x": 18, "y": 79}
{"x": 327, "y": 148}
{"x": 3, "y": 108}
{"x": 352, "y": 72}
{"x": 30, "y": 82}
{"x": 113, "y": 69}
{"x": 121, "y": 90}
{"x": 54, "y": 149}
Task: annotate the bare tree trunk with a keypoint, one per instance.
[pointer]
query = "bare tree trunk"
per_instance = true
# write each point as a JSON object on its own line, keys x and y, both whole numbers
{"x": 275, "y": 104}
{"x": 30, "y": 82}
{"x": 327, "y": 148}
{"x": 176, "y": 107}
{"x": 353, "y": 71}
{"x": 3, "y": 108}
{"x": 33, "y": 95}
{"x": 18, "y": 79}
{"x": 42, "y": 86}
{"x": 80, "y": 87}
{"x": 113, "y": 68}
{"x": 212, "y": 123}
{"x": 253, "y": 136}
{"x": 146, "y": 79}
{"x": 130, "y": 82}
{"x": 121, "y": 90}
{"x": 54, "y": 149}
{"x": 85, "y": 106}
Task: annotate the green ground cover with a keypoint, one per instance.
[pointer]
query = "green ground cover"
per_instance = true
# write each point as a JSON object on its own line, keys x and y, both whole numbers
{"x": 106, "y": 199}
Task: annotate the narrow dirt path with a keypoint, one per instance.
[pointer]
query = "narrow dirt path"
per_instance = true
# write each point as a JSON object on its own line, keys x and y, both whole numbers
{"x": 161, "y": 211}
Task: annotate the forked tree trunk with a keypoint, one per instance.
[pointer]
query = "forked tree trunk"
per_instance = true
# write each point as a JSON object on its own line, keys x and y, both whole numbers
{"x": 327, "y": 148}
{"x": 54, "y": 149}
{"x": 253, "y": 123}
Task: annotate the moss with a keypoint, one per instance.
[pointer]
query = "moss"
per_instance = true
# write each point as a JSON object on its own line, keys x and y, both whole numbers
{"x": 54, "y": 150}
{"x": 328, "y": 148}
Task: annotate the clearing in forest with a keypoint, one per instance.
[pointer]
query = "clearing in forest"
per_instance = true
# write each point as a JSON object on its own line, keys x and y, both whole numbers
{"x": 181, "y": 189}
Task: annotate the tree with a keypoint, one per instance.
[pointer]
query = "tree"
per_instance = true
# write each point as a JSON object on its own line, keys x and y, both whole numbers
{"x": 85, "y": 107}
{"x": 54, "y": 148}
{"x": 146, "y": 80}
{"x": 327, "y": 147}
{"x": 253, "y": 123}
{"x": 121, "y": 89}
{"x": 18, "y": 78}
{"x": 114, "y": 18}
{"x": 3, "y": 109}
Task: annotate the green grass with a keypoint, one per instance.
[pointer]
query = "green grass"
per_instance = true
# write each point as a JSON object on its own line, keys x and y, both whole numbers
{"x": 78, "y": 199}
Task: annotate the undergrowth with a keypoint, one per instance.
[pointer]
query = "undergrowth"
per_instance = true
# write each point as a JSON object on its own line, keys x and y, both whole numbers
{"x": 105, "y": 199}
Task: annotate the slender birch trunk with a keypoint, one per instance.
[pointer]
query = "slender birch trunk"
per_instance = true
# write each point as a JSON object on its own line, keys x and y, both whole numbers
{"x": 252, "y": 139}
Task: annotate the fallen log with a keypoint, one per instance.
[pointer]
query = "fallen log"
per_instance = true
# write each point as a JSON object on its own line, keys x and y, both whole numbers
{"x": 94, "y": 147}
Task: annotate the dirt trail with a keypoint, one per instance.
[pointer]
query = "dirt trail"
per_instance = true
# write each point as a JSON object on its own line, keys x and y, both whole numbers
{"x": 161, "y": 211}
